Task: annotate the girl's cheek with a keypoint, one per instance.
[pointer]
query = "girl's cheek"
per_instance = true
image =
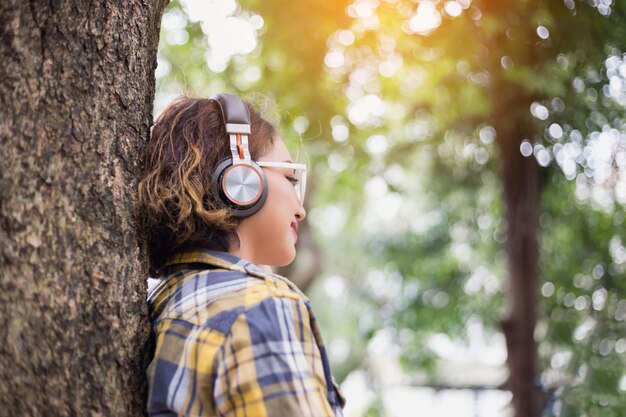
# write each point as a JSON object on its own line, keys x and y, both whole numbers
{"x": 284, "y": 190}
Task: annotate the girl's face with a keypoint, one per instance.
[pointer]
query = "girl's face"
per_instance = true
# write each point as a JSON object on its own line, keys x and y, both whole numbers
{"x": 269, "y": 236}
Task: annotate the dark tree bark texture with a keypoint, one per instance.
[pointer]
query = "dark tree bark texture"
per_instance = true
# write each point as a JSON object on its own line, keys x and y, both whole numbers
{"x": 76, "y": 94}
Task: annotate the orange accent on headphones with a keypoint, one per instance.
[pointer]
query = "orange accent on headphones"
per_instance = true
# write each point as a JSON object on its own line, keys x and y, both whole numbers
{"x": 240, "y": 146}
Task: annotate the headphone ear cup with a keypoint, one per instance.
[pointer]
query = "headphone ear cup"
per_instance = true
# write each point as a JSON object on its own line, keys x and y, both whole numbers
{"x": 241, "y": 187}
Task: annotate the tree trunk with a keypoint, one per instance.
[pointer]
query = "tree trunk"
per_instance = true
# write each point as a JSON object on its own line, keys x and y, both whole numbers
{"x": 513, "y": 123}
{"x": 76, "y": 93}
{"x": 522, "y": 200}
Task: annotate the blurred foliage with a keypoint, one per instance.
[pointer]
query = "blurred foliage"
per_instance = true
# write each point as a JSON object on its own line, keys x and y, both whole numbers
{"x": 393, "y": 113}
{"x": 581, "y": 332}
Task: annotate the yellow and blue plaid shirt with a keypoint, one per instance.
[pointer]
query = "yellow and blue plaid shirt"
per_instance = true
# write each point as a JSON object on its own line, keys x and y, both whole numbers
{"x": 232, "y": 340}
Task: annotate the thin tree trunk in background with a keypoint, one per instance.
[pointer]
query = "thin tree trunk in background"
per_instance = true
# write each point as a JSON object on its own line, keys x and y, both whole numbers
{"x": 522, "y": 200}
{"x": 513, "y": 122}
{"x": 76, "y": 94}
{"x": 519, "y": 174}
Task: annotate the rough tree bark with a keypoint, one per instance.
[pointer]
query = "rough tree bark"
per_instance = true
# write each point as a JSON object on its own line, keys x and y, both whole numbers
{"x": 76, "y": 93}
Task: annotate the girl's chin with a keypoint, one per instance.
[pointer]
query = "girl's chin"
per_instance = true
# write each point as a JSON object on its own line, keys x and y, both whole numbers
{"x": 288, "y": 257}
{"x": 283, "y": 258}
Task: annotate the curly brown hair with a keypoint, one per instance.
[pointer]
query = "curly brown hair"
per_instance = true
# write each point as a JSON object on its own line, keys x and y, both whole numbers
{"x": 180, "y": 212}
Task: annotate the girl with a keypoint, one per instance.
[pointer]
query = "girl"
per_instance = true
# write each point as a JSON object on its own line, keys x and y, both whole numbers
{"x": 221, "y": 197}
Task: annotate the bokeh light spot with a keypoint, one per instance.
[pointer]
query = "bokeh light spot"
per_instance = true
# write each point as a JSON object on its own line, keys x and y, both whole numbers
{"x": 345, "y": 37}
{"x": 526, "y": 148}
{"x": 539, "y": 111}
{"x": 334, "y": 58}
{"x": 555, "y": 130}
{"x": 453, "y": 8}
{"x": 543, "y": 32}
{"x": 426, "y": 19}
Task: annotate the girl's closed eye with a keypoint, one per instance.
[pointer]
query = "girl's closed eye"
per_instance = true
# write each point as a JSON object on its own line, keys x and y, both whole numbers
{"x": 292, "y": 180}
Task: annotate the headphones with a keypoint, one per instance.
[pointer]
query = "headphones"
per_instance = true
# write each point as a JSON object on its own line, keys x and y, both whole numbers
{"x": 238, "y": 182}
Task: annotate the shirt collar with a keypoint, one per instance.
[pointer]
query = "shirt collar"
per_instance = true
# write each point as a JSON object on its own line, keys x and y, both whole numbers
{"x": 227, "y": 260}
{"x": 219, "y": 259}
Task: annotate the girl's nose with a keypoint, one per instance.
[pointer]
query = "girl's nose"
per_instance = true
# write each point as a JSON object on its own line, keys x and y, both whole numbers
{"x": 301, "y": 213}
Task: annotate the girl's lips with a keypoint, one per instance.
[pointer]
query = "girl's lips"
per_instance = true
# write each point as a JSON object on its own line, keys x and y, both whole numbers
{"x": 294, "y": 226}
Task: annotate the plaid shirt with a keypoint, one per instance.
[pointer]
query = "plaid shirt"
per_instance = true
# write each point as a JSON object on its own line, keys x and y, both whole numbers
{"x": 232, "y": 340}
